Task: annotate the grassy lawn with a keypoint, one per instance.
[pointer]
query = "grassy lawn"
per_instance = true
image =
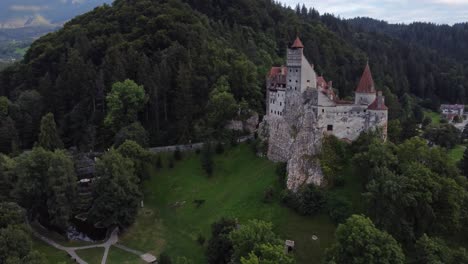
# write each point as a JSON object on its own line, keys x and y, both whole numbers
{"x": 435, "y": 117}
{"x": 53, "y": 256}
{"x": 116, "y": 255}
{"x": 171, "y": 221}
{"x": 92, "y": 255}
{"x": 456, "y": 154}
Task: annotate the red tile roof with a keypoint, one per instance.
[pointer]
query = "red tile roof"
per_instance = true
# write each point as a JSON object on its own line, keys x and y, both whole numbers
{"x": 321, "y": 82}
{"x": 366, "y": 84}
{"x": 376, "y": 106}
{"x": 297, "y": 44}
{"x": 274, "y": 71}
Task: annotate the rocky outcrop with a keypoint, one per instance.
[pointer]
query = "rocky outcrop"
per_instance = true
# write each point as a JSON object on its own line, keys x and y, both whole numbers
{"x": 249, "y": 125}
{"x": 295, "y": 139}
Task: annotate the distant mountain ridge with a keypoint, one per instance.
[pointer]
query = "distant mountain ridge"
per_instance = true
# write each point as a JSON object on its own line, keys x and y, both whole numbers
{"x": 25, "y": 13}
{"x": 23, "y": 21}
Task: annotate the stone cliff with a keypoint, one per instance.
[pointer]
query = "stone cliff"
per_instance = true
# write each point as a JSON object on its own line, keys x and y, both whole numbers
{"x": 295, "y": 139}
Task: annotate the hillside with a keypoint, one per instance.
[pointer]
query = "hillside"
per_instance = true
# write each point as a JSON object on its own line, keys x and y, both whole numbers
{"x": 451, "y": 41}
{"x": 178, "y": 50}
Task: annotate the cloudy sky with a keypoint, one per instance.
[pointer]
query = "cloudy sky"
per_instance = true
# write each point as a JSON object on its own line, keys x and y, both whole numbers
{"x": 395, "y": 11}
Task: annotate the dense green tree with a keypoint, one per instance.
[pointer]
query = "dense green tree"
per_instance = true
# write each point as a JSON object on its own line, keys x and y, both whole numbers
{"x": 49, "y": 138}
{"x": 7, "y": 177}
{"x": 11, "y": 214}
{"x": 412, "y": 189}
{"x": 116, "y": 193}
{"x": 141, "y": 158}
{"x": 46, "y": 185}
{"x": 15, "y": 243}
{"x": 249, "y": 236}
{"x": 62, "y": 193}
{"x": 15, "y": 239}
{"x": 221, "y": 106}
{"x": 27, "y": 113}
{"x": 134, "y": 132}
{"x": 445, "y": 135}
{"x": 268, "y": 254}
{"x": 435, "y": 250}
{"x": 219, "y": 249}
{"x": 463, "y": 164}
{"x": 464, "y": 134}
{"x": 8, "y": 135}
{"x": 124, "y": 102}
{"x": 359, "y": 241}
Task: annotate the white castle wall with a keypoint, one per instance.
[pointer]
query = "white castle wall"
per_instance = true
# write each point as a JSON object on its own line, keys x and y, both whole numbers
{"x": 364, "y": 98}
{"x": 343, "y": 121}
{"x": 276, "y": 102}
{"x": 308, "y": 75}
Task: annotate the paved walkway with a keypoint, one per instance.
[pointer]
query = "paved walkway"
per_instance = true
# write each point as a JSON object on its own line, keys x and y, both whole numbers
{"x": 111, "y": 241}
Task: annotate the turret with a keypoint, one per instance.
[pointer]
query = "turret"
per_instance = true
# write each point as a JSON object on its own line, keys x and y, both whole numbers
{"x": 295, "y": 53}
{"x": 365, "y": 92}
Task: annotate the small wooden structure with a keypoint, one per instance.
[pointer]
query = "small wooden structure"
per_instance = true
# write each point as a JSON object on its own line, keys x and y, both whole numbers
{"x": 289, "y": 246}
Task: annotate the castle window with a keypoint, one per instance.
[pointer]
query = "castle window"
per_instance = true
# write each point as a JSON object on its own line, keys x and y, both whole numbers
{"x": 308, "y": 81}
{"x": 289, "y": 80}
{"x": 297, "y": 70}
{"x": 330, "y": 128}
{"x": 271, "y": 111}
{"x": 280, "y": 103}
{"x": 323, "y": 110}
{"x": 296, "y": 81}
{"x": 365, "y": 111}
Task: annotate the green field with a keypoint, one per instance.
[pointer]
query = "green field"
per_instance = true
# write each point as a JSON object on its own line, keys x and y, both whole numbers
{"x": 456, "y": 154}
{"x": 171, "y": 221}
{"x": 434, "y": 116}
{"x": 53, "y": 256}
{"x": 92, "y": 255}
{"x": 116, "y": 255}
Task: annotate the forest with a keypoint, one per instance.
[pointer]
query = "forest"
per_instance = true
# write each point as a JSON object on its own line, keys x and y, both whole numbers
{"x": 141, "y": 73}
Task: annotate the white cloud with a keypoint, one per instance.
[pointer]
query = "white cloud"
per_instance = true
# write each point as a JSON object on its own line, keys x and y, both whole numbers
{"x": 28, "y": 8}
{"x": 394, "y": 11}
{"x": 452, "y": 2}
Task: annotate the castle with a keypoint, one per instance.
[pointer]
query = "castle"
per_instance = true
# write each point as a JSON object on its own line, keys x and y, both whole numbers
{"x": 344, "y": 119}
{"x": 302, "y": 107}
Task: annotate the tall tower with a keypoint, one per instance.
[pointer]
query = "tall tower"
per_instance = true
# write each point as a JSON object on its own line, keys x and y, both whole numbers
{"x": 365, "y": 92}
{"x": 294, "y": 64}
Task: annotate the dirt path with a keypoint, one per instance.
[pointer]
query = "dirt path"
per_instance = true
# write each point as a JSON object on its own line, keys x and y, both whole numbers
{"x": 71, "y": 251}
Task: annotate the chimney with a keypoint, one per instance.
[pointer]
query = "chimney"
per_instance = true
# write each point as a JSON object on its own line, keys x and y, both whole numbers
{"x": 380, "y": 100}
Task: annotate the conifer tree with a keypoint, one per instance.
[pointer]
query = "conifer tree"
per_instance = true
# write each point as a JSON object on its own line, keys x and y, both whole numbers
{"x": 464, "y": 163}
{"x": 49, "y": 138}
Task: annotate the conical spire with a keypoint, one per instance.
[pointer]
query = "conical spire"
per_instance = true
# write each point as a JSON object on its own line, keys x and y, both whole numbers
{"x": 366, "y": 84}
{"x": 297, "y": 44}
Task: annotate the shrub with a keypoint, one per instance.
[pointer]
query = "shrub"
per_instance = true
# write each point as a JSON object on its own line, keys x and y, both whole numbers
{"x": 339, "y": 209}
{"x": 201, "y": 239}
{"x": 177, "y": 154}
{"x": 310, "y": 200}
{"x": 171, "y": 162}
{"x": 269, "y": 195}
{"x": 281, "y": 171}
{"x": 159, "y": 162}
{"x": 219, "y": 148}
{"x": 164, "y": 258}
